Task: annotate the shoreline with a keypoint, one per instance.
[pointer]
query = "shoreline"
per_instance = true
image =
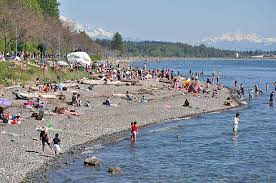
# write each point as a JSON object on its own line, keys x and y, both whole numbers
{"x": 21, "y": 144}
{"x": 161, "y": 59}
{"x": 68, "y": 157}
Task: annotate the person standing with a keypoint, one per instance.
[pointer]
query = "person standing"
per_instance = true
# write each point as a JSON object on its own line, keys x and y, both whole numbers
{"x": 235, "y": 83}
{"x": 44, "y": 138}
{"x": 266, "y": 86}
{"x": 236, "y": 123}
{"x": 56, "y": 144}
{"x": 134, "y": 130}
{"x": 271, "y": 98}
{"x": 242, "y": 90}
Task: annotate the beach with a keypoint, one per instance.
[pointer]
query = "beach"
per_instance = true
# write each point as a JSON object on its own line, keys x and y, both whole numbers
{"x": 21, "y": 152}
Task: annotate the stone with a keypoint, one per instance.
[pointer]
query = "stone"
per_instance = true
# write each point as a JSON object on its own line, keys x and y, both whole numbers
{"x": 93, "y": 161}
{"x": 115, "y": 170}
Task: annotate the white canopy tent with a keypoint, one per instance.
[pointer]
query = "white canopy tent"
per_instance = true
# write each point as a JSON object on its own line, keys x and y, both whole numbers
{"x": 79, "y": 57}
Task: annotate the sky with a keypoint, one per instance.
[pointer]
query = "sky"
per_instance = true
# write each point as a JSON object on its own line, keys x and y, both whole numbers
{"x": 175, "y": 20}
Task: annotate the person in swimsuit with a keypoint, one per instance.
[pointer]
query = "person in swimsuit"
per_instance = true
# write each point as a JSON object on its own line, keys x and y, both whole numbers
{"x": 236, "y": 123}
{"x": 44, "y": 138}
{"x": 134, "y": 130}
{"x": 271, "y": 98}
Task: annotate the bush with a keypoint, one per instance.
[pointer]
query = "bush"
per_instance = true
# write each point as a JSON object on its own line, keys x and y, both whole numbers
{"x": 10, "y": 75}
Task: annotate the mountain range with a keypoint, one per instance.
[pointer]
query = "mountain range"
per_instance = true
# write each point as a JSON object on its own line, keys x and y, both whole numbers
{"x": 92, "y": 32}
{"x": 227, "y": 41}
{"x": 240, "y": 41}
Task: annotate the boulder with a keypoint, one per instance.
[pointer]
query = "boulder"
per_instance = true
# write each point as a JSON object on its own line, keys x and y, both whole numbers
{"x": 115, "y": 170}
{"x": 93, "y": 161}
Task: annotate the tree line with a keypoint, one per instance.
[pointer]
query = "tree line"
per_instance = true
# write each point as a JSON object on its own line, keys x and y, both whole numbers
{"x": 166, "y": 49}
{"x": 35, "y": 24}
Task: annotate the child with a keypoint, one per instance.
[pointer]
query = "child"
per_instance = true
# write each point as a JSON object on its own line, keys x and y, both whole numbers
{"x": 236, "y": 123}
{"x": 56, "y": 144}
{"x": 131, "y": 128}
{"x": 134, "y": 130}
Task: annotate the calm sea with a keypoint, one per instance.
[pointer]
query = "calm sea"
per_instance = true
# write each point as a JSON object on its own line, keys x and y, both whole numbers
{"x": 200, "y": 149}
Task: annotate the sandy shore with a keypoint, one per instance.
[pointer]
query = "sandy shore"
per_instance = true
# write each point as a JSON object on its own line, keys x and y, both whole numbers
{"x": 21, "y": 152}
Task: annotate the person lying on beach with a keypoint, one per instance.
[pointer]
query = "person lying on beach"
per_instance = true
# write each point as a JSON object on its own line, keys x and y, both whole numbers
{"x": 66, "y": 111}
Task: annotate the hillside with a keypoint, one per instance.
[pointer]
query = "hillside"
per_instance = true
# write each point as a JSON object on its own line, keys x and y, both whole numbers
{"x": 168, "y": 49}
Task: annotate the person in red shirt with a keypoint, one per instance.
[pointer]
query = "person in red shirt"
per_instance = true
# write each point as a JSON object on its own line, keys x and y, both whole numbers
{"x": 46, "y": 88}
{"x": 134, "y": 131}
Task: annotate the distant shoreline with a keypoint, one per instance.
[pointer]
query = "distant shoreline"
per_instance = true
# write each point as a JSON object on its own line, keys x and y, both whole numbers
{"x": 156, "y": 59}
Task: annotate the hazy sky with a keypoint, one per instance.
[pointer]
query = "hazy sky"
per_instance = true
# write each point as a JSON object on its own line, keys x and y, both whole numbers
{"x": 175, "y": 20}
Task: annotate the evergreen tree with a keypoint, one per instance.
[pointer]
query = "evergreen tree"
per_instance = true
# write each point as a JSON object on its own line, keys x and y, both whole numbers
{"x": 117, "y": 42}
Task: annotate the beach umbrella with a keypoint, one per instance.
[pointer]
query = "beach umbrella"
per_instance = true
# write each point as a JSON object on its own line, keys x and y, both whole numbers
{"x": 5, "y": 102}
{"x": 62, "y": 63}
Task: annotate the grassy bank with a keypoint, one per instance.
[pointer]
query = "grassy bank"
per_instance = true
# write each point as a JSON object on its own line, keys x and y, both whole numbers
{"x": 13, "y": 75}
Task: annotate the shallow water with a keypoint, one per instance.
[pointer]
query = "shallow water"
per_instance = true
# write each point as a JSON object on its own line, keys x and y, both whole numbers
{"x": 199, "y": 149}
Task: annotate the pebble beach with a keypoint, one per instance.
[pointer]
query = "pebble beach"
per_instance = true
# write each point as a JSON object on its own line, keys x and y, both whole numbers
{"x": 21, "y": 153}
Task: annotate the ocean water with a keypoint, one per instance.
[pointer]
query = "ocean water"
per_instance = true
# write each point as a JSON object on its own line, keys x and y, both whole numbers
{"x": 199, "y": 149}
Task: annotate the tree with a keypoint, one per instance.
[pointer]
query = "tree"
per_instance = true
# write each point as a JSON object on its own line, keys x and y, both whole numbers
{"x": 16, "y": 22}
{"x": 49, "y": 8}
{"x": 117, "y": 42}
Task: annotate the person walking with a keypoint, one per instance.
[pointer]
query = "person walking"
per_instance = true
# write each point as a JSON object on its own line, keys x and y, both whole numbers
{"x": 44, "y": 138}
{"x": 236, "y": 123}
{"x": 56, "y": 144}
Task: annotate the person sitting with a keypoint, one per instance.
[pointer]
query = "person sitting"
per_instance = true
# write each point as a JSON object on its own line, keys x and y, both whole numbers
{"x": 186, "y": 103}
{"x": 37, "y": 82}
{"x": 74, "y": 99}
{"x": 215, "y": 93}
{"x": 128, "y": 96}
{"x": 78, "y": 100}
{"x": 46, "y": 88}
{"x": 144, "y": 99}
{"x": 220, "y": 86}
{"x": 107, "y": 102}
{"x": 227, "y": 101}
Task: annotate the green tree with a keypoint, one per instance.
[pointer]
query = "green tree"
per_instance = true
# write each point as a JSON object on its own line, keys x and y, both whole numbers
{"x": 117, "y": 42}
{"x": 49, "y": 7}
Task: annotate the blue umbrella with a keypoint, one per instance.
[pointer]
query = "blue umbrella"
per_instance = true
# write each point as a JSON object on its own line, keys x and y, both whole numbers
{"x": 5, "y": 102}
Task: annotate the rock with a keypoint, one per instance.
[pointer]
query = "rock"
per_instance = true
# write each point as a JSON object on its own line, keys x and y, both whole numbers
{"x": 93, "y": 161}
{"x": 115, "y": 170}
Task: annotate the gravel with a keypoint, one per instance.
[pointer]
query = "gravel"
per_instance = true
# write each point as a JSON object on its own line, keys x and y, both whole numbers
{"x": 21, "y": 152}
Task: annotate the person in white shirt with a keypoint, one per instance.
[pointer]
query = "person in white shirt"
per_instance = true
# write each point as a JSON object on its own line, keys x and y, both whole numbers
{"x": 236, "y": 123}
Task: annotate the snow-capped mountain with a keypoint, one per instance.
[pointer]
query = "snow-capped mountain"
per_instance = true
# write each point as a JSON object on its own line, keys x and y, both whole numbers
{"x": 239, "y": 41}
{"x": 92, "y": 32}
